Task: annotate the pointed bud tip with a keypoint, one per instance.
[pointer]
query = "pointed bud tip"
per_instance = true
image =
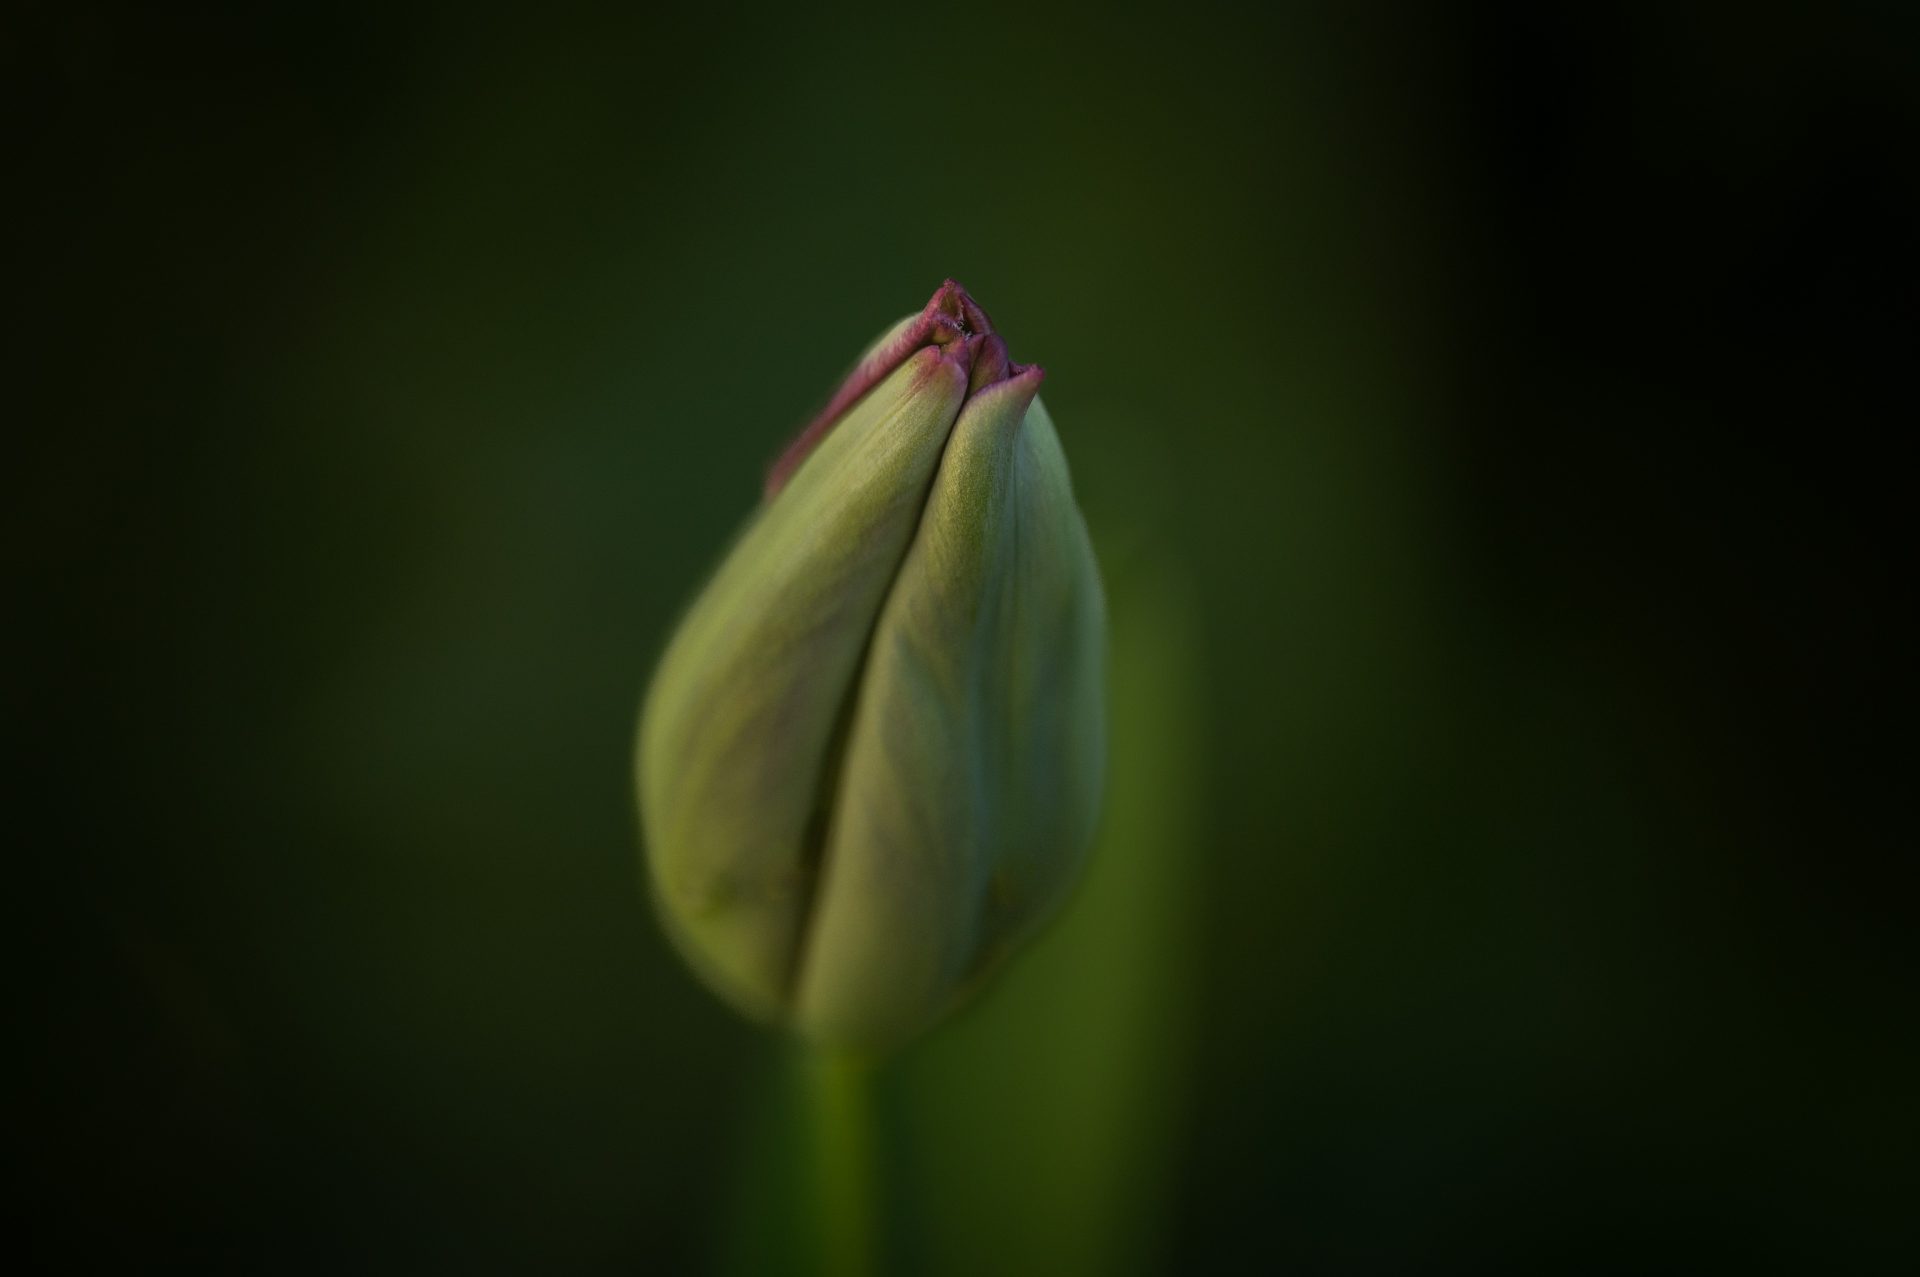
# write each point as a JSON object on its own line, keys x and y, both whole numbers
{"x": 957, "y": 310}
{"x": 951, "y": 322}
{"x": 1017, "y": 388}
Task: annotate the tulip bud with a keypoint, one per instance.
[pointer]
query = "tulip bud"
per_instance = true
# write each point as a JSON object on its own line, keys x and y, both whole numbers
{"x": 870, "y": 760}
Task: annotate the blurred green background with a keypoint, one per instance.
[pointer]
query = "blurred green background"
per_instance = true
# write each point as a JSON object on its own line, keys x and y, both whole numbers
{"x": 1483, "y": 420}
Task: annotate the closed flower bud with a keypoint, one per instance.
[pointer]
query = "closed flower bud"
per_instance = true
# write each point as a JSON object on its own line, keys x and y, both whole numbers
{"x": 870, "y": 760}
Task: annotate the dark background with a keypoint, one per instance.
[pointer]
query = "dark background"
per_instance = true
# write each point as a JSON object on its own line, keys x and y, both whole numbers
{"x": 1488, "y": 423}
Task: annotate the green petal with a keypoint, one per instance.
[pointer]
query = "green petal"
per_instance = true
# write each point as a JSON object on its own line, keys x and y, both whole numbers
{"x": 971, "y": 781}
{"x": 742, "y": 714}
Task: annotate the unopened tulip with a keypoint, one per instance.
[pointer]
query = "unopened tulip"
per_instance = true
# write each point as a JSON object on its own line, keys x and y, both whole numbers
{"x": 870, "y": 760}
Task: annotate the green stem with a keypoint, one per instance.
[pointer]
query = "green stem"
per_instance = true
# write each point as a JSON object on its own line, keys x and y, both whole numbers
{"x": 845, "y": 1152}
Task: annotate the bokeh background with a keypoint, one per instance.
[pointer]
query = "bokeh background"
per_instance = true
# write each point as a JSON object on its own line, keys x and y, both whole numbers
{"x": 1486, "y": 419}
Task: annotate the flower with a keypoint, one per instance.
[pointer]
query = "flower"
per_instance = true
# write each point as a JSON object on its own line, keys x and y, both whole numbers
{"x": 870, "y": 760}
